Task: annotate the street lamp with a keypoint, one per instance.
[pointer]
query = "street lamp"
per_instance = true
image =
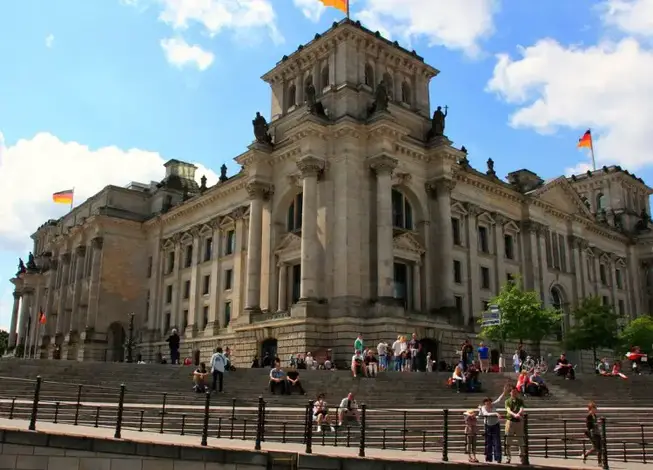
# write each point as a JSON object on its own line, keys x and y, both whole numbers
{"x": 130, "y": 339}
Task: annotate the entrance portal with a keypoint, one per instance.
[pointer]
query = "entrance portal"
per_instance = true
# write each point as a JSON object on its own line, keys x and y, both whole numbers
{"x": 269, "y": 346}
{"x": 116, "y": 343}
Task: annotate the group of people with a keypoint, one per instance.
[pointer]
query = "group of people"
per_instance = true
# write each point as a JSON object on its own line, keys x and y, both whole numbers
{"x": 219, "y": 363}
{"x": 346, "y": 413}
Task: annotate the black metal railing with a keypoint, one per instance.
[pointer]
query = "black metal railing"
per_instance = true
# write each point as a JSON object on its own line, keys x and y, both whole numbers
{"x": 544, "y": 435}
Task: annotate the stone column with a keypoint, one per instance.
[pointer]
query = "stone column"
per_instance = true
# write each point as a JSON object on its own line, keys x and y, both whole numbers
{"x": 613, "y": 281}
{"x": 283, "y": 287}
{"x": 310, "y": 167}
{"x": 216, "y": 279}
{"x": 383, "y": 165}
{"x": 194, "y": 302}
{"x": 35, "y": 310}
{"x": 473, "y": 274}
{"x": 578, "y": 268}
{"x": 175, "y": 313}
{"x": 63, "y": 320}
{"x": 443, "y": 243}
{"x": 23, "y": 328}
{"x": 258, "y": 191}
{"x": 13, "y": 335}
{"x": 417, "y": 292}
{"x": 75, "y": 320}
{"x": 94, "y": 284}
{"x": 500, "y": 249}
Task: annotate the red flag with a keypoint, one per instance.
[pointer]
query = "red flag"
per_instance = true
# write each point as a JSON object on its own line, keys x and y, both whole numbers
{"x": 41, "y": 317}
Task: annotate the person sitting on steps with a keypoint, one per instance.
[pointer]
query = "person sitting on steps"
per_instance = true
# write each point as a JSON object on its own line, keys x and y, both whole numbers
{"x": 348, "y": 410}
{"x": 564, "y": 368}
{"x": 277, "y": 379}
{"x": 357, "y": 364}
{"x": 293, "y": 383}
{"x": 321, "y": 413}
{"x": 199, "y": 378}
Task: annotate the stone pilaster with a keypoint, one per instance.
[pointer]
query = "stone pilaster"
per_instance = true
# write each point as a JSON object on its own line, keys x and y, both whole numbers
{"x": 417, "y": 287}
{"x": 500, "y": 252}
{"x": 154, "y": 285}
{"x": 94, "y": 284}
{"x": 215, "y": 296}
{"x": 383, "y": 166}
{"x": 258, "y": 192}
{"x": 24, "y": 324}
{"x": 75, "y": 318}
{"x": 283, "y": 288}
{"x": 578, "y": 269}
{"x": 473, "y": 274}
{"x": 175, "y": 313}
{"x": 63, "y": 319}
{"x": 442, "y": 254}
{"x": 310, "y": 167}
{"x": 13, "y": 335}
{"x": 195, "y": 303}
{"x": 613, "y": 282}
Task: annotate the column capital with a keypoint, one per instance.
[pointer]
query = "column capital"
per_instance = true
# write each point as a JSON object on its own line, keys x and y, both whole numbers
{"x": 532, "y": 226}
{"x": 80, "y": 250}
{"x": 259, "y": 189}
{"x": 28, "y": 291}
{"x": 383, "y": 164}
{"x": 310, "y": 166}
{"x": 97, "y": 243}
{"x": 65, "y": 258}
{"x": 439, "y": 186}
{"x": 17, "y": 295}
{"x": 472, "y": 209}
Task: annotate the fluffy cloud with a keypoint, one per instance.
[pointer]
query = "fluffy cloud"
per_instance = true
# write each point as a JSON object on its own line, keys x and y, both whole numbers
{"x": 456, "y": 24}
{"x": 49, "y": 41}
{"x": 31, "y": 170}
{"x": 606, "y": 87}
{"x": 218, "y": 15}
{"x": 180, "y": 54}
{"x": 631, "y": 16}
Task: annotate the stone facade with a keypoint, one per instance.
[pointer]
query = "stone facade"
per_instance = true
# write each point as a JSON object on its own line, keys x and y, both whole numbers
{"x": 354, "y": 218}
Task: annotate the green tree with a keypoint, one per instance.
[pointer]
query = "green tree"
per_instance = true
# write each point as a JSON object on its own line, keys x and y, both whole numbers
{"x": 596, "y": 326}
{"x": 638, "y": 332}
{"x": 523, "y": 318}
{"x": 4, "y": 342}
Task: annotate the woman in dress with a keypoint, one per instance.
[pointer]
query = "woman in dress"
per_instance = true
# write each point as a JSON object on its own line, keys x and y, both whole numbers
{"x": 593, "y": 433}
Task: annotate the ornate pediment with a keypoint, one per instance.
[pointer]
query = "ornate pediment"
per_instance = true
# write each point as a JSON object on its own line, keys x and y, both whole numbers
{"x": 511, "y": 226}
{"x": 408, "y": 242}
{"x": 290, "y": 242}
{"x": 168, "y": 244}
{"x": 605, "y": 258}
{"x": 205, "y": 230}
{"x": 227, "y": 222}
{"x": 560, "y": 194}
{"x": 458, "y": 208}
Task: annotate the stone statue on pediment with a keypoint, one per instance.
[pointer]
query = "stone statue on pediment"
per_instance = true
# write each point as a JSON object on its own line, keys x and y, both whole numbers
{"x": 380, "y": 98}
{"x": 21, "y": 267}
{"x": 490, "y": 168}
{"x": 438, "y": 122}
{"x": 223, "y": 174}
{"x": 31, "y": 264}
{"x": 313, "y": 105}
{"x": 261, "y": 129}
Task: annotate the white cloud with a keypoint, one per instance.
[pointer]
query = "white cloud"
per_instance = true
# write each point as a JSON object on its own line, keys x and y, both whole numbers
{"x": 179, "y": 53}
{"x": 606, "y": 87}
{"x": 459, "y": 24}
{"x": 630, "y": 16}
{"x": 218, "y": 15}
{"x": 44, "y": 164}
{"x": 49, "y": 41}
{"x": 312, "y": 9}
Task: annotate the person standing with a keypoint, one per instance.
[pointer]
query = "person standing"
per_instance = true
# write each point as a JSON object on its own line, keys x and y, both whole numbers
{"x": 514, "y": 424}
{"x": 382, "y": 350}
{"x": 358, "y": 344}
{"x": 492, "y": 431}
{"x": 173, "y": 343}
{"x": 484, "y": 357}
{"x": 218, "y": 366}
{"x": 593, "y": 433}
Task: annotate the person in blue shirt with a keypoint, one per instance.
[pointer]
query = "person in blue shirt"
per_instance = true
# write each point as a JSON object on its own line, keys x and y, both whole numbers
{"x": 484, "y": 357}
{"x": 277, "y": 378}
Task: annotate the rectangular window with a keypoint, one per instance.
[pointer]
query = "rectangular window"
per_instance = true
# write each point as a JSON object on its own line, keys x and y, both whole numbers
{"x": 455, "y": 228}
{"x": 188, "y": 258}
{"x": 485, "y": 277}
{"x": 185, "y": 324}
{"x": 149, "y": 267}
{"x": 227, "y": 314}
{"x": 168, "y": 293}
{"x": 606, "y": 300}
{"x": 619, "y": 279}
{"x": 208, "y": 248}
{"x": 563, "y": 253}
{"x": 483, "y": 241}
{"x": 509, "y": 277}
{"x": 228, "y": 278}
{"x": 186, "y": 289}
{"x": 205, "y": 316}
{"x": 230, "y": 247}
{"x": 590, "y": 264}
{"x": 171, "y": 262}
{"x": 459, "y": 303}
{"x": 622, "y": 307}
{"x": 603, "y": 274}
{"x": 485, "y": 305}
{"x": 457, "y": 271}
{"x": 206, "y": 285}
{"x": 556, "y": 251}
{"x": 549, "y": 252}
{"x": 509, "y": 245}
{"x": 166, "y": 324}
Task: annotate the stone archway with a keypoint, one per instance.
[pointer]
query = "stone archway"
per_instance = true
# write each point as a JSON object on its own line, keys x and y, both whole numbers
{"x": 116, "y": 343}
{"x": 269, "y": 346}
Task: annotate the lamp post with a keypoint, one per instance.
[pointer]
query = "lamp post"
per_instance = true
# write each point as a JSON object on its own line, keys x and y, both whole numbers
{"x": 130, "y": 338}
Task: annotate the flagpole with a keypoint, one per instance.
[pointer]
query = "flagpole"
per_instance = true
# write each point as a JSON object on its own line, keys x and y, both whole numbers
{"x": 592, "y": 150}
{"x": 348, "y": 9}
{"x": 72, "y": 199}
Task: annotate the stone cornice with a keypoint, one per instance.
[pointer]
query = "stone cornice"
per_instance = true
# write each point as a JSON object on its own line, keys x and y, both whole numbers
{"x": 487, "y": 185}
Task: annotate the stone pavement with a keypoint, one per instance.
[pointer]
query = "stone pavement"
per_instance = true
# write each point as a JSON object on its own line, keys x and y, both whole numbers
{"x": 318, "y": 450}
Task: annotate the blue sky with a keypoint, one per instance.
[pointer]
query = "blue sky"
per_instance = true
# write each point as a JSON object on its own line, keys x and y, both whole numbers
{"x": 103, "y": 92}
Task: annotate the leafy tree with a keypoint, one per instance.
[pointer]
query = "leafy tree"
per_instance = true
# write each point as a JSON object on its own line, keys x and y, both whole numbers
{"x": 638, "y": 332}
{"x": 522, "y": 316}
{"x": 4, "y": 342}
{"x": 596, "y": 326}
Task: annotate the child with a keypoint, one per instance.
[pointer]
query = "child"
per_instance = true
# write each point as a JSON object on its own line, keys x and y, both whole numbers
{"x": 502, "y": 363}
{"x": 470, "y": 434}
{"x": 429, "y": 363}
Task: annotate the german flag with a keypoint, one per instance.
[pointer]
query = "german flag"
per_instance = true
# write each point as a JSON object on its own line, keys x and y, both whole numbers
{"x": 64, "y": 197}
{"x": 586, "y": 140}
{"x": 342, "y": 5}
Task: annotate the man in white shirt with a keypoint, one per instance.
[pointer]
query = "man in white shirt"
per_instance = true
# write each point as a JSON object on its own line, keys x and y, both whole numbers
{"x": 218, "y": 364}
{"x": 382, "y": 350}
{"x": 348, "y": 410}
{"x": 357, "y": 365}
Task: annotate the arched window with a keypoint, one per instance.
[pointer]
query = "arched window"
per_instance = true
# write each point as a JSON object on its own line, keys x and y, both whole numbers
{"x": 325, "y": 76}
{"x": 402, "y": 211}
{"x": 405, "y": 92}
{"x": 369, "y": 75}
{"x": 556, "y": 298}
{"x": 600, "y": 202}
{"x": 292, "y": 96}
{"x": 294, "y": 220}
{"x": 387, "y": 79}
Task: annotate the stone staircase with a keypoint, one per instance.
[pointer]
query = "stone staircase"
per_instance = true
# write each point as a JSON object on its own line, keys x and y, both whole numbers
{"x": 404, "y": 410}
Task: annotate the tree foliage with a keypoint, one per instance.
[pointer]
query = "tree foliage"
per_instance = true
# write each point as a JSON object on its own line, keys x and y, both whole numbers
{"x": 638, "y": 332}
{"x": 523, "y": 316}
{"x": 596, "y": 326}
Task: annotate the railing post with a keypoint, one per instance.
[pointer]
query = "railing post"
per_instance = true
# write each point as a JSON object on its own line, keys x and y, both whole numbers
{"x": 604, "y": 444}
{"x": 259, "y": 424}
{"x": 526, "y": 460}
{"x": 78, "y": 404}
{"x": 564, "y": 437}
{"x": 309, "y": 427}
{"x": 121, "y": 404}
{"x": 643, "y": 445}
{"x": 233, "y": 418}
{"x": 163, "y": 412}
{"x": 445, "y": 436}
{"x": 35, "y": 403}
{"x": 205, "y": 427}
{"x": 361, "y": 449}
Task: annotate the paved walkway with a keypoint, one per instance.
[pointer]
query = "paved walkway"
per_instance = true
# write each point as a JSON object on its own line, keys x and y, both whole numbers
{"x": 329, "y": 451}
